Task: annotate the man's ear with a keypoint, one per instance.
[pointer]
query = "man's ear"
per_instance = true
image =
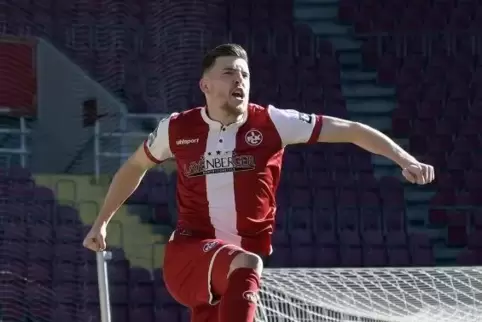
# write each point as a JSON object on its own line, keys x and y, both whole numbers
{"x": 203, "y": 85}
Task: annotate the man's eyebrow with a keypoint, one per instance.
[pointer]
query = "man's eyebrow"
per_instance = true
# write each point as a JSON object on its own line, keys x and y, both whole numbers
{"x": 235, "y": 69}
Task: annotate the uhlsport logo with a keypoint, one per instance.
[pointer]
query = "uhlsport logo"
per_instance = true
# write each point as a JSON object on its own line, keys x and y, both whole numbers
{"x": 253, "y": 137}
{"x": 186, "y": 141}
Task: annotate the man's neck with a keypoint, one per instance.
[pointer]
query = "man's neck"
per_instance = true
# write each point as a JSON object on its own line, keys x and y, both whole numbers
{"x": 218, "y": 115}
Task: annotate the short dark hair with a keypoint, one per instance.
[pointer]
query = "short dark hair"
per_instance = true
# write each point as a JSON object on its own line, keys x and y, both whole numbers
{"x": 224, "y": 50}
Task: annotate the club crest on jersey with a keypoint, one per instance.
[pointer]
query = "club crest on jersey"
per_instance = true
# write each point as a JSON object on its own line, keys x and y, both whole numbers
{"x": 253, "y": 137}
{"x": 209, "y": 245}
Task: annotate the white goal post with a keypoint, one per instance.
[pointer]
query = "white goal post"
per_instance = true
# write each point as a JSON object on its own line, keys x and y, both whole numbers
{"x": 416, "y": 294}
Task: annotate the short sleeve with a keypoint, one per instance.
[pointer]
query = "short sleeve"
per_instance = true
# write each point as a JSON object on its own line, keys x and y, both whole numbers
{"x": 157, "y": 146}
{"x": 295, "y": 127}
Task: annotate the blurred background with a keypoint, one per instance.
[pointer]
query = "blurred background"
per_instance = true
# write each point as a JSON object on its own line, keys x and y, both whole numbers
{"x": 82, "y": 82}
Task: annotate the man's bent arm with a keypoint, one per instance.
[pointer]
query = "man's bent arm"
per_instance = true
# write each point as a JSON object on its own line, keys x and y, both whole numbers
{"x": 337, "y": 130}
{"x": 124, "y": 183}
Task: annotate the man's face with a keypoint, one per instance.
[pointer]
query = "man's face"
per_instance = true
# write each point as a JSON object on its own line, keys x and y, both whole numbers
{"x": 227, "y": 84}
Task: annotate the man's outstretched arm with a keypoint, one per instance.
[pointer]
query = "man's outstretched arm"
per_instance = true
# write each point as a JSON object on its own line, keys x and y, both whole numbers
{"x": 125, "y": 182}
{"x": 153, "y": 151}
{"x": 335, "y": 130}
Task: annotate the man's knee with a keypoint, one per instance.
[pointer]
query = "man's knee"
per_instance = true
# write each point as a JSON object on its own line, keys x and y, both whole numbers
{"x": 246, "y": 260}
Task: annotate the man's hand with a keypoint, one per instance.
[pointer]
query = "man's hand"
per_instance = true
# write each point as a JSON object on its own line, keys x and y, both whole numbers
{"x": 95, "y": 239}
{"x": 419, "y": 173}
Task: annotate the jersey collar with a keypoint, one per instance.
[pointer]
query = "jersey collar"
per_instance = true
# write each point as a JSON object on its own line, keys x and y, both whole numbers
{"x": 218, "y": 125}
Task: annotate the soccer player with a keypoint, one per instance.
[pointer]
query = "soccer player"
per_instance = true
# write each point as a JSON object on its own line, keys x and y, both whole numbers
{"x": 228, "y": 156}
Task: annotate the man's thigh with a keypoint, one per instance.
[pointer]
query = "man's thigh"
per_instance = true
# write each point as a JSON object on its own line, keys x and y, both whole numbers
{"x": 195, "y": 270}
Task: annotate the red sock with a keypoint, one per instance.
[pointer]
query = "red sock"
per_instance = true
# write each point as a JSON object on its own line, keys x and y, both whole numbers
{"x": 238, "y": 303}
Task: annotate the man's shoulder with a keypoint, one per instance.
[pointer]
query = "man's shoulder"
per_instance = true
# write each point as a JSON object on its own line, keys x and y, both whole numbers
{"x": 186, "y": 116}
{"x": 262, "y": 113}
{"x": 258, "y": 111}
{"x": 257, "y": 108}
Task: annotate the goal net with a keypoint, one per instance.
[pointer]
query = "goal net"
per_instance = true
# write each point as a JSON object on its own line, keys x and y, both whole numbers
{"x": 449, "y": 294}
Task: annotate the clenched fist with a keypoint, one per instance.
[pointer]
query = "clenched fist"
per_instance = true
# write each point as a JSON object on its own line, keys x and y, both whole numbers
{"x": 419, "y": 173}
{"x": 95, "y": 239}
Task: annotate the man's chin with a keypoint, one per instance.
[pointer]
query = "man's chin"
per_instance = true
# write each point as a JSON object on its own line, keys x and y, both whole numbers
{"x": 236, "y": 107}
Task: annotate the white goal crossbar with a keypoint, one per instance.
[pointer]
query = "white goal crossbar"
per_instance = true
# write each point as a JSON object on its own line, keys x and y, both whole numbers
{"x": 439, "y": 294}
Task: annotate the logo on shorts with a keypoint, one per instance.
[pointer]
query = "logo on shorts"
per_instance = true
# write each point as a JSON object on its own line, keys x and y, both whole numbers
{"x": 253, "y": 137}
{"x": 210, "y": 245}
{"x": 249, "y": 296}
{"x": 305, "y": 118}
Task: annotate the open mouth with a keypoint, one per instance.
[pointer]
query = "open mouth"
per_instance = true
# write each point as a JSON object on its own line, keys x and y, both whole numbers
{"x": 238, "y": 93}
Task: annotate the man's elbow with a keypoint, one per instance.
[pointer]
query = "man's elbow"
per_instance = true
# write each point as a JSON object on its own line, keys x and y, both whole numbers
{"x": 355, "y": 132}
{"x": 140, "y": 160}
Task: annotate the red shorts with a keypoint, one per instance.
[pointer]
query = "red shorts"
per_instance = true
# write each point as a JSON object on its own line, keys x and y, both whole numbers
{"x": 195, "y": 270}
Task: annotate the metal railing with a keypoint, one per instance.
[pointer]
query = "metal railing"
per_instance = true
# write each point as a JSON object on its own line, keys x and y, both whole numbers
{"x": 22, "y": 151}
{"x": 122, "y": 150}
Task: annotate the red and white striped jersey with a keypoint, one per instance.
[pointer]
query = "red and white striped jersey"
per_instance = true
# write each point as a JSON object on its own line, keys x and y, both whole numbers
{"x": 228, "y": 175}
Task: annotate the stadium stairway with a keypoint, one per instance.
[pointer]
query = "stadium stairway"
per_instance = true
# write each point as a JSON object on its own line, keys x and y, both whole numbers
{"x": 370, "y": 103}
{"x": 366, "y": 100}
{"x": 142, "y": 246}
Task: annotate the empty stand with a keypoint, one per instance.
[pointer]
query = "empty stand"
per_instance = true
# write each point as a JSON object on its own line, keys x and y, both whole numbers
{"x": 430, "y": 54}
{"x": 332, "y": 212}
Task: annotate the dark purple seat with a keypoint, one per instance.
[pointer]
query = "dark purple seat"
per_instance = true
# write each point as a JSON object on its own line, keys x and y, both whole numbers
{"x": 66, "y": 272}
{"x": 324, "y": 179}
{"x": 348, "y": 227}
{"x": 140, "y": 195}
{"x": 398, "y": 256}
{"x": 120, "y": 313}
{"x": 468, "y": 258}
{"x": 162, "y": 214}
{"x": 39, "y": 272}
{"x": 323, "y": 198}
{"x": 157, "y": 195}
{"x": 326, "y": 256}
{"x": 68, "y": 233}
{"x": 141, "y": 295}
{"x": 139, "y": 275}
{"x": 301, "y": 226}
{"x": 293, "y": 161}
{"x": 119, "y": 294}
{"x": 422, "y": 257}
{"x": 281, "y": 257}
{"x": 19, "y": 174}
{"x": 118, "y": 271}
{"x": 325, "y": 227}
{"x": 168, "y": 314}
{"x": 300, "y": 197}
{"x": 163, "y": 298}
{"x": 302, "y": 256}
{"x": 142, "y": 314}
{"x": 67, "y": 293}
{"x": 281, "y": 237}
{"x": 68, "y": 252}
{"x": 351, "y": 257}
{"x": 40, "y": 251}
{"x": 347, "y": 198}
{"x": 374, "y": 256}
